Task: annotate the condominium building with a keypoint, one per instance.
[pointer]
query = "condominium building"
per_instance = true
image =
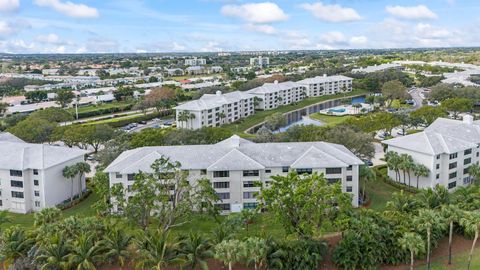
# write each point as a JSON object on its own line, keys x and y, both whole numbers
{"x": 195, "y": 61}
{"x": 234, "y": 166}
{"x": 447, "y": 148}
{"x": 271, "y": 95}
{"x": 31, "y": 175}
{"x": 214, "y": 110}
{"x": 327, "y": 85}
{"x": 260, "y": 61}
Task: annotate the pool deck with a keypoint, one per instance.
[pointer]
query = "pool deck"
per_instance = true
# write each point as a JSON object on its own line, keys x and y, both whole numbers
{"x": 347, "y": 110}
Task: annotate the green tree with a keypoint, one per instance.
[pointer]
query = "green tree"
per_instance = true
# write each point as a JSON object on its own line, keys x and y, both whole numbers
{"x": 33, "y": 130}
{"x": 195, "y": 249}
{"x": 428, "y": 114}
{"x": 301, "y": 203}
{"x": 394, "y": 90}
{"x": 256, "y": 251}
{"x": 452, "y": 214}
{"x": 36, "y": 96}
{"x": 425, "y": 220}
{"x": 420, "y": 170}
{"x": 115, "y": 245}
{"x": 393, "y": 163}
{"x": 47, "y": 216}
{"x": 85, "y": 253}
{"x": 155, "y": 252}
{"x": 54, "y": 254}
{"x": 406, "y": 165}
{"x": 471, "y": 223}
{"x": 457, "y": 105}
{"x": 474, "y": 171}
{"x": 183, "y": 117}
{"x": 3, "y": 108}
{"x": 230, "y": 252}
{"x": 352, "y": 138}
{"x": 15, "y": 244}
{"x": 81, "y": 169}
{"x": 275, "y": 121}
{"x": 69, "y": 172}
{"x": 412, "y": 243}
{"x": 64, "y": 97}
{"x": 366, "y": 175}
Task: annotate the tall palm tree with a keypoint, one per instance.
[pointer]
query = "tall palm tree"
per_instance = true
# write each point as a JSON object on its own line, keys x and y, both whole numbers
{"x": 256, "y": 251}
{"x": 471, "y": 223}
{"x": 452, "y": 214}
{"x": 195, "y": 249}
{"x": 467, "y": 197}
{"x": 86, "y": 253}
{"x": 366, "y": 174}
{"x": 406, "y": 164}
{"x": 81, "y": 168}
{"x": 69, "y": 172}
{"x": 183, "y": 117}
{"x": 47, "y": 216}
{"x": 230, "y": 252}
{"x": 393, "y": 162}
{"x": 115, "y": 244}
{"x": 222, "y": 116}
{"x": 474, "y": 171}
{"x": 54, "y": 255}
{"x": 15, "y": 244}
{"x": 155, "y": 252}
{"x": 425, "y": 220}
{"x": 420, "y": 170}
{"x": 433, "y": 198}
{"x": 413, "y": 243}
{"x": 191, "y": 117}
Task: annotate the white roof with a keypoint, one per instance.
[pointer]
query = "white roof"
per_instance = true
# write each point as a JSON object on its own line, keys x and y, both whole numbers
{"x": 323, "y": 79}
{"x": 236, "y": 153}
{"x": 22, "y": 156}
{"x": 274, "y": 87}
{"x": 442, "y": 136}
{"x": 209, "y": 101}
{"x": 9, "y": 137}
{"x": 381, "y": 67}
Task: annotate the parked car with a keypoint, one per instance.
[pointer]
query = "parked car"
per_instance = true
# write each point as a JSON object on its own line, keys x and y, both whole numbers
{"x": 143, "y": 122}
{"x": 367, "y": 162}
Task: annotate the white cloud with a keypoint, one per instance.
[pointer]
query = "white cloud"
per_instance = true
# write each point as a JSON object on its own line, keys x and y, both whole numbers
{"x": 266, "y": 12}
{"x": 102, "y": 45}
{"x": 262, "y": 28}
{"x": 50, "y": 38}
{"x": 79, "y": 11}
{"x": 17, "y": 46}
{"x": 428, "y": 31}
{"x": 331, "y": 13}
{"x": 212, "y": 46}
{"x": 178, "y": 47}
{"x": 9, "y": 5}
{"x": 411, "y": 12}
{"x": 334, "y": 37}
{"x": 8, "y": 28}
{"x": 358, "y": 41}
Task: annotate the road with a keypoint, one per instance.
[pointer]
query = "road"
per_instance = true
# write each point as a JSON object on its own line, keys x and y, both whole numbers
{"x": 150, "y": 124}
{"x": 415, "y": 93}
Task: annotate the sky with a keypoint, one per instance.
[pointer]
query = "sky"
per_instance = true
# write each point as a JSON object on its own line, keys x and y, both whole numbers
{"x": 104, "y": 26}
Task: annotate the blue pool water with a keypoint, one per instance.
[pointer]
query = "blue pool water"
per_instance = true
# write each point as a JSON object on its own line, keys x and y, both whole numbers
{"x": 339, "y": 110}
{"x": 356, "y": 100}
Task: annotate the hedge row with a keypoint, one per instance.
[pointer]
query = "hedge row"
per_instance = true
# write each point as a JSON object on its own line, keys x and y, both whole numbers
{"x": 102, "y": 111}
{"x": 124, "y": 122}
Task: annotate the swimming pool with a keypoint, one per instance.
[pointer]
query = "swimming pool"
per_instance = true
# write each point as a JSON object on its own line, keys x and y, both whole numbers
{"x": 337, "y": 110}
{"x": 358, "y": 100}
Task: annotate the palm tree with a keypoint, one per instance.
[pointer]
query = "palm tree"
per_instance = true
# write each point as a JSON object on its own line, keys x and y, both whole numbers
{"x": 3, "y": 108}
{"x": 195, "y": 249}
{"x": 474, "y": 171}
{"x": 183, "y": 117}
{"x": 471, "y": 223}
{"x": 230, "y": 252}
{"x": 393, "y": 162}
{"x": 467, "y": 197}
{"x": 47, "y": 216}
{"x": 4, "y": 217}
{"x": 425, "y": 220}
{"x": 452, "y": 214}
{"x": 256, "y": 251}
{"x": 85, "y": 253}
{"x": 222, "y": 116}
{"x": 413, "y": 243}
{"x": 406, "y": 164}
{"x": 54, "y": 255}
{"x": 420, "y": 170}
{"x": 15, "y": 244}
{"x": 191, "y": 117}
{"x": 69, "y": 172}
{"x": 115, "y": 245}
{"x": 366, "y": 174}
{"x": 155, "y": 252}
{"x": 81, "y": 169}
{"x": 434, "y": 198}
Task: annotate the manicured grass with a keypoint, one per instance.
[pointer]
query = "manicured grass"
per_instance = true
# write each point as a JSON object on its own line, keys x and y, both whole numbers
{"x": 102, "y": 106}
{"x": 330, "y": 119}
{"x": 459, "y": 261}
{"x": 259, "y": 116}
{"x": 83, "y": 209}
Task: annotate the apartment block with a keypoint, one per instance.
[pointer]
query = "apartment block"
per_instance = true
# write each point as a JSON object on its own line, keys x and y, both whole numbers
{"x": 195, "y": 61}
{"x": 260, "y": 61}
{"x": 214, "y": 110}
{"x": 327, "y": 85}
{"x": 234, "y": 166}
{"x": 272, "y": 95}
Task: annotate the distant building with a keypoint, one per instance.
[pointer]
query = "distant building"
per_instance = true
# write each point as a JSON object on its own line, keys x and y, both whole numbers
{"x": 376, "y": 68}
{"x": 260, "y": 61}
{"x": 50, "y": 71}
{"x": 31, "y": 175}
{"x": 175, "y": 72}
{"x": 215, "y": 110}
{"x": 327, "y": 85}
{"x": 196, "y": 70}
{"x": 195, "y": 62}
{"x": 272, "y": 95}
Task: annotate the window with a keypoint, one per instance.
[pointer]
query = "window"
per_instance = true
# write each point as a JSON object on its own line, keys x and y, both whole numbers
{"x": 349, "y": 168}
{"x": 16, "y": 194}
{"x": 467, "y": 161}
{"x": 130, "y": 188}
{"x": 36, "y": 193}
{"x": 18, "y": 184}
{"x": 118, "y": 175}
{"x": 333, "y": 180}
{"x": 454, "y": 155}
{"x": 349, "y": 188}
{"x": 438, "y": 166}
{"x": 248, "y": 184}
{"x": 452, "y": 175}
{"x": 438, "y": 176}
{"x": 223, "y": 206}
{"x": 438, "y": 156}
{"x": 250, "y": 205}
{"x": 466, "y": 180}
{"x": 35, "y": 172}
{"x": 203, "y": 172}
{"x": 285, "y": 169}
{"x": 467, "y": 152}
{"x": 302, "y": 171}
{"x": 35, "y": 182}
{"x": 219, "y": 174}
{"x": 131, "y": 177}
{"x": 268, "y": 171}
{"x": 250, "y": 173}
{"x": 16, "y": 173}
{"x": 37, "y": 204}
{"x": 452, "y": 185}
{"x": 1, "y": 203}
{"x": 249, "y": 195}
{"x": 452, "y": 165}
{"x": 465, "y": 170}
{"x": 349, "y": 178}
{"x": 224, "y": 195}
{"x": 221, "y": 184}
{"x": 333, "y": 170}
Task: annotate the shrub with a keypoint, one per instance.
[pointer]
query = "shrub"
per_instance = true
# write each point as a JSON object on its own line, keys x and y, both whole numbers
{"x": 297, "y": 254}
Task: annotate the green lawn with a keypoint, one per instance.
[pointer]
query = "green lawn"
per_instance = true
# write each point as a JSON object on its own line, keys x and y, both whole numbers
{"x": 459, "y": 261}
{"x": 102, "y": 106}
{"x": 82, "y": 209}
{"x": 259, "y": 116}
{"x": 330, "y": 119}
{"x": 114, "y": 119}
